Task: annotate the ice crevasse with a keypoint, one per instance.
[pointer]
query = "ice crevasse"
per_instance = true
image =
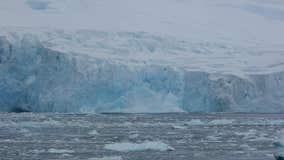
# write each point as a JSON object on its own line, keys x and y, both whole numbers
{"x": 121, "y": 72}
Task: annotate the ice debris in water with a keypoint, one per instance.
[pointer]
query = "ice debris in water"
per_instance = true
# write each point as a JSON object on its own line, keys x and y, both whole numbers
{"x": 147, "y": 145}
{"x": 107, "y": 158}
{"x": 59, "y": 151}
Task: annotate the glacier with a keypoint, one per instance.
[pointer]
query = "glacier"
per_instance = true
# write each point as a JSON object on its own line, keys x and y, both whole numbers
{"x": 87, "y": 56}
{"x": 95, "y": 71}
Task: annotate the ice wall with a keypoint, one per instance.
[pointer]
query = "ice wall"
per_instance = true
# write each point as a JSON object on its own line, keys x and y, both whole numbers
{"x": 36, "y": 78}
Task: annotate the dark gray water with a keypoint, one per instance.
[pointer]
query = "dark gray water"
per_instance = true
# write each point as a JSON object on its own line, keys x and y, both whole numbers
{"x": 193, "y": 136}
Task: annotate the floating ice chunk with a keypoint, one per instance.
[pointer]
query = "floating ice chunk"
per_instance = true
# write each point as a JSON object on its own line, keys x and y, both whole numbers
{"x": 213, "y": 138}
{"x": 248, "y": 134}
{"x": 195, "y": 122}
{"x": 147, "y": 145}
{"x": 66, "y": 155}
{"x": 275, "y": 122}
{"x": 247, "y": 147}
{"x": 37, "y": 151}
{"x": 280, "y": 141}
{"x": 49, "y": 122}
{"x": 107, "y": 158}
{"x": 93, "y": 132}
{"x": 79, "y": 123}
{"x": 221, "y": 122}
{"x": 175, "y": 126}
{"x": 133, "y": 136}
{"x": 30, "y": 80}
{"x": 59, "y": 151}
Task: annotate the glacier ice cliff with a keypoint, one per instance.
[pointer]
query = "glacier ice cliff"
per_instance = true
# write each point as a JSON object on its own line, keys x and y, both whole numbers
{"x": 39, "y": 76}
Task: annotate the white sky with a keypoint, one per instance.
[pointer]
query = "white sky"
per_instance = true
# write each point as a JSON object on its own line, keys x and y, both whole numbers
{"x": 247, "y": 21}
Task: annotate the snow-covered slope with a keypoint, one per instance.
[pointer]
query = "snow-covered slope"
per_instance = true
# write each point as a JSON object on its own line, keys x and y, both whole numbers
{"x": 142, "y": 56}
{"x": 257, "y": 23}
